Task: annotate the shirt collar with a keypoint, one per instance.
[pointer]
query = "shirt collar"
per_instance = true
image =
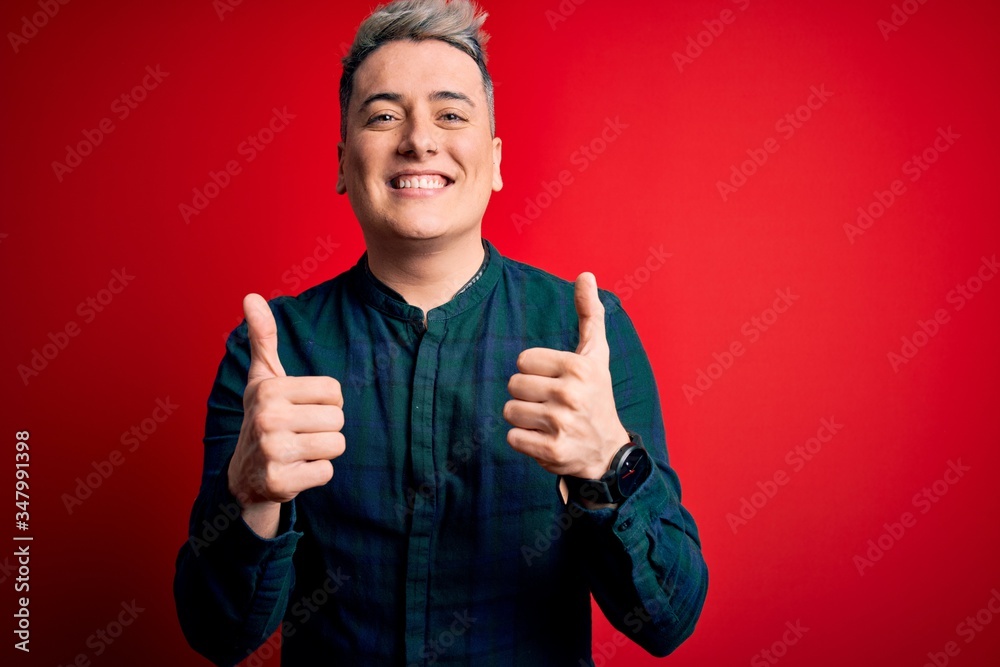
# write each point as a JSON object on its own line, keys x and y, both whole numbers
{"x": 387, "y": 300}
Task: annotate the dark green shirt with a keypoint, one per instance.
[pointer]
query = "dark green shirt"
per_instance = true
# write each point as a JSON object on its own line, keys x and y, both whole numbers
{"x": 436, "y": 543}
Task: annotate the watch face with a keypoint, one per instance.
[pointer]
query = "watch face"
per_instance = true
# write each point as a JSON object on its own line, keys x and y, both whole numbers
{"x": 633, "y": 471}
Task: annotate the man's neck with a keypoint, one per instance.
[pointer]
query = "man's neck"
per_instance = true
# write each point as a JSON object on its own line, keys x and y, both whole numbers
{"x": 427, "y": 278}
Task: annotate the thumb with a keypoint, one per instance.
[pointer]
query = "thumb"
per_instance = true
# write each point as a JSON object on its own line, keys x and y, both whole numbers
{"x": 263, "y": 334}
{"x": 590, "y": 311}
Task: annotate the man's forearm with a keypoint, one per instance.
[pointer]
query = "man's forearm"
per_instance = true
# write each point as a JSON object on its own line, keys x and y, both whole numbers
{"x": 230, "y": 581}
{"x": 645, "y": 567}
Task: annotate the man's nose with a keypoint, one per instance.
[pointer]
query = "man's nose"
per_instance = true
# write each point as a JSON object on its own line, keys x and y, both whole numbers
{"x": 419, "y": 139}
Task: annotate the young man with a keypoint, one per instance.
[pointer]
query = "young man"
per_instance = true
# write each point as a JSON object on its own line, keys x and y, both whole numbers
{"x": 495, "y": 430}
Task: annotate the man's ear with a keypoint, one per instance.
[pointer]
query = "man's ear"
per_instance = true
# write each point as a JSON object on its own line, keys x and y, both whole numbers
{"x": 341, "y": 184}
{"x": 497, "y": 155}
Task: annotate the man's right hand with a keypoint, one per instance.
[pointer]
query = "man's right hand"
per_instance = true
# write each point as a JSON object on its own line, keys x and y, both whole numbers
{"x": 291, "y": 428}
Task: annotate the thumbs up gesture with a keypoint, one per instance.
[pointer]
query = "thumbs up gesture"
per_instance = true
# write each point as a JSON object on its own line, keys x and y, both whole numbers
{"x": 291, "y": 428}
{"x": 563, "y": 408}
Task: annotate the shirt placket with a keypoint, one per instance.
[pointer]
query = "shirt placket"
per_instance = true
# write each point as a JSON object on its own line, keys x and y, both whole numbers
{"x": 419, "y": 557}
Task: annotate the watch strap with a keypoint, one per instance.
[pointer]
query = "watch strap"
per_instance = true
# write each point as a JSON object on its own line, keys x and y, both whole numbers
{"x": 603, "y": 491}
{"x": 596, "y": 491}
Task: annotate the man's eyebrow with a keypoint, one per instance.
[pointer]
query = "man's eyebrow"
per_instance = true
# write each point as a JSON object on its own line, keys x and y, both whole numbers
{"x": 377, "y": 97}
{"x": 436, "y": 96}
{"x": 439, "y": 95}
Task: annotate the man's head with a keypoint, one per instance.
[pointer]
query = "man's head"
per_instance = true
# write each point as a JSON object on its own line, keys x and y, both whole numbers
{"x": 418, "y": 158}
{"x": 458, "y": 22}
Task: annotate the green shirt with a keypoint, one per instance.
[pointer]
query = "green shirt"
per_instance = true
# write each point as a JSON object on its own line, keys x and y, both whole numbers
{"x": 436, "y": 542}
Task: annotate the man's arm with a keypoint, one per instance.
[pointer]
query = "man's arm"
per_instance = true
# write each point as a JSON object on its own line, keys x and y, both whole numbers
{"x": 231, "y": 586}
{"x": 643, "y": 558}
{"x": 570, "y": 412}
{"x": 267, "y": 437}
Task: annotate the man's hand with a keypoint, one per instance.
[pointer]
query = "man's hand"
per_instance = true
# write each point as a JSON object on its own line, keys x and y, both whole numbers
{"x": 563, "y": 411}
{"x": 291, "y": 428}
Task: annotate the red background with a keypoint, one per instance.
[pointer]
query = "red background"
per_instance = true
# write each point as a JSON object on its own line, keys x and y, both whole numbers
{"x": 557, "y": 84}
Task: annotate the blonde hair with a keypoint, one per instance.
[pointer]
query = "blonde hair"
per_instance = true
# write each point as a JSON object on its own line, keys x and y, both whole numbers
{"x": 455, "y": 22}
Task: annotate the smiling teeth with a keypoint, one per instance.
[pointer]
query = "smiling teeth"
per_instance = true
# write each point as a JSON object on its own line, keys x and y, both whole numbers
{"x": 419, "y": 182}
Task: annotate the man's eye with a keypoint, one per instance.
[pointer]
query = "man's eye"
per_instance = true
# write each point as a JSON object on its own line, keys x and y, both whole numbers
{"x": 380, "y": 118}
{"x": 451, "y": 117}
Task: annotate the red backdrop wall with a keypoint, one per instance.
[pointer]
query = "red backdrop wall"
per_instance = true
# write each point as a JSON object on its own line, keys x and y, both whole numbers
{"x": 828, "y": 375}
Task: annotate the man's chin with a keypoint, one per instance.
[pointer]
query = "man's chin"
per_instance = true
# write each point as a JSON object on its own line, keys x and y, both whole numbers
{"x": 420, "y": 227}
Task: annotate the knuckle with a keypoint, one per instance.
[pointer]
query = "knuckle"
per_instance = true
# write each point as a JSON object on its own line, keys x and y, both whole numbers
{"x": 265, "y": 422}
{"x": 559, "y": 418}
{"x": 556, "y": 453}
{"x": 337, "y": 416}
{"x": 332, "y": 386}
{"x": 562, "y": 393}
{"x": 277, "y": 491}
{"x": 572, "y": 401}
{"x": 275, "y": 487}
{"x": 268, "y": 389}
{"x": 272, "y": 451}
{"x": 576, "y": 366}
{"x": 339, "y": 444}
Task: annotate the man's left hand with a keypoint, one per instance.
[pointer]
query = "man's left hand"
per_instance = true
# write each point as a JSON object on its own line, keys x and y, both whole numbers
{"x": 563, "y": 410}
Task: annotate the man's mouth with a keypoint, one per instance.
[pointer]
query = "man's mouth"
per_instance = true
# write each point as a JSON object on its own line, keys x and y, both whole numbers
{"x": 419, "y": 182}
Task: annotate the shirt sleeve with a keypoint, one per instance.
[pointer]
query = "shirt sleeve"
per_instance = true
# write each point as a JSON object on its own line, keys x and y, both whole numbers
{"x": 643, "y": 560}
{"x": 231, "y": 586}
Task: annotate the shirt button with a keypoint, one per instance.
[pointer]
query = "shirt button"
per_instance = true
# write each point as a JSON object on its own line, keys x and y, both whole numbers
{"x": 624, "y": 525}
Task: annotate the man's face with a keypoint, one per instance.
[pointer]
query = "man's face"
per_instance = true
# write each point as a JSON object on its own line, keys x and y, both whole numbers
{"x": 418, "y": 161}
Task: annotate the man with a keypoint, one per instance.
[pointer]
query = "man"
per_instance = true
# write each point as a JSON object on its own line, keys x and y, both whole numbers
{"x": 446, "y": 536}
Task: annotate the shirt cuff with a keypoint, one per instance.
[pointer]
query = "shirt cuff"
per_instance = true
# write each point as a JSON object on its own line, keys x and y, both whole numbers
{"x": 224, "y": 534}
{"x": 629, "y": 521}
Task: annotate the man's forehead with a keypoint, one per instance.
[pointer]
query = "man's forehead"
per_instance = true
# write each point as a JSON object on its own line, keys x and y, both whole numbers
{"x": 418, "y": 68}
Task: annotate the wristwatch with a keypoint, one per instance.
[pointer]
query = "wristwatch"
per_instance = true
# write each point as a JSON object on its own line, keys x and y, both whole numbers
{"x": 629, "y": 468}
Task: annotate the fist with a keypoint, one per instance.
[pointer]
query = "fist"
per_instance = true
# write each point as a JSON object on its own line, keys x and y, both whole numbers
{"x": 563, "y": 405}
{"x": 291, "y": 426}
